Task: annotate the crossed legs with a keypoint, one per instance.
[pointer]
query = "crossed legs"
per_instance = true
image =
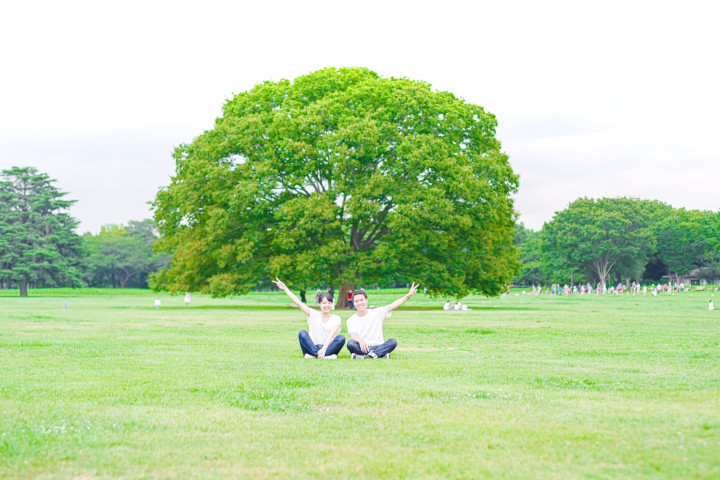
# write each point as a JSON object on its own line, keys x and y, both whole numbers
{"x": 308, "y": 347}
{"x": 375, "y": 350}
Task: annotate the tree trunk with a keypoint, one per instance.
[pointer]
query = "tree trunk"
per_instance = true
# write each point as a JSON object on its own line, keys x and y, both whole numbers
{"x": 602, "y": 267}
{"x": 23, "y": 288}
{"x": 126, "y": 278}
{"x": 603, "y": 279}
{"x": 342, "y": 301}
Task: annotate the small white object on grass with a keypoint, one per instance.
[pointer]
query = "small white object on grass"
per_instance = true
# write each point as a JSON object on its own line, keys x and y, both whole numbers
{"x": 157, "y": 304}
{"x": 711, "y": 306}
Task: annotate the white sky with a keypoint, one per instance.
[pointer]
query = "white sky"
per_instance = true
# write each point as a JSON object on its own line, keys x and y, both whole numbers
{"x": 611, "y": 98}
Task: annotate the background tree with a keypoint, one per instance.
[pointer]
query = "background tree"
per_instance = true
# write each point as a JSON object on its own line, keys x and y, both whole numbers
{"x": 709, "y": 261}
{"x": 122, "y": 256}
{"x": 529, "y": 244}
{"x": 683, "y": 241}
{"x": 591, "y": 237}
{"x": 37, "y": 238}
{"x": 643, "y": 216}
{"x": 341, "y": 177}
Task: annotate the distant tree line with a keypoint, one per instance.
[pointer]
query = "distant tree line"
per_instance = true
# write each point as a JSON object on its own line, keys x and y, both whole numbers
{"x": 39, "y": 247}
{"x": 603, "y": 240}
{"x": 122, "y": 256}
{"x": 614, "y": 240}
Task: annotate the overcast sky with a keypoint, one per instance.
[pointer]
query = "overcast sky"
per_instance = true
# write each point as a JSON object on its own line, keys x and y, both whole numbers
{"x": 611, "y": 98}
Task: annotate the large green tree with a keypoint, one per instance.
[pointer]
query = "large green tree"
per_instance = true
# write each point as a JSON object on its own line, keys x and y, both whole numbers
{"x": 341, "y": 177}
{"x": 38, "y": 243}
{"x": 592, "y": 237}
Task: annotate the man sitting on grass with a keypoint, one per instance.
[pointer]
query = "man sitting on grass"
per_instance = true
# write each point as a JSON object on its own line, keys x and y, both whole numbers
{"x": 365, "y": 327}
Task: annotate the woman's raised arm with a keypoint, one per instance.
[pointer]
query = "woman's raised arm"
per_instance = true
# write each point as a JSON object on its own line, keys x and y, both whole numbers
{"x": 306, "y": 310}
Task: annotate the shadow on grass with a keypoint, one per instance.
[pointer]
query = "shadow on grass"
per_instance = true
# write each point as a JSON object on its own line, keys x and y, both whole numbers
{"x": 288, "y": 307}
{"x": 225, "y": 307}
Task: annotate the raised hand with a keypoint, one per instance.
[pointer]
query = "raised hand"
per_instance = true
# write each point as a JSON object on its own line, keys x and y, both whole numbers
{"x": 404, "y": 298}
{"x": 280, "y": 284}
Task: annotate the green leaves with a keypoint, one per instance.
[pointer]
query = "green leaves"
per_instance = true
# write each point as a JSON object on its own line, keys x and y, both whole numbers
{"x": 122, "y": 256}
{"x": 37, "y": 239}
{"x": 341, "y": 177}
{"x": 686, "y": 240}
{"x": 592, "y": 237}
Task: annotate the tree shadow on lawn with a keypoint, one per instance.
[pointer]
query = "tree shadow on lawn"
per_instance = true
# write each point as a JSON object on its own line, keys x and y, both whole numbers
{"x": 230, "y": 307}
{"x": 288, "y": 307}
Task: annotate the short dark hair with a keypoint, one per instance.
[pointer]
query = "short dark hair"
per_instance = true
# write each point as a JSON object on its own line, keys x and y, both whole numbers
{"x": 325, "y": 295}
{"x": 360, "y": 292}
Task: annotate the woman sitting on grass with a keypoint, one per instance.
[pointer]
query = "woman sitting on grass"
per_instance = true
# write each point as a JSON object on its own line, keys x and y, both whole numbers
{"x": 323, "y": 340}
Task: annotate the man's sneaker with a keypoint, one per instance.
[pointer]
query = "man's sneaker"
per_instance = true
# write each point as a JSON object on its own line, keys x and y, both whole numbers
{"x": 387, "y": 355}
{"x": 357, "y": 355}
{"x": 372, "y": 354}
{"x": 307, "y": 355}
{"x": 331, "y": 357}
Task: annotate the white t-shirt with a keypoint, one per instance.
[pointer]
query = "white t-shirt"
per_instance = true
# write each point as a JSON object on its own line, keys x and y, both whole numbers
{"x": 369, "y": 327}
{"x": 319, "y": 331}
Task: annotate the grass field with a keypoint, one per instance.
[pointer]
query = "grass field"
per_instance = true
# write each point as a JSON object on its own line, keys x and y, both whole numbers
{"x": 519, "y": 387}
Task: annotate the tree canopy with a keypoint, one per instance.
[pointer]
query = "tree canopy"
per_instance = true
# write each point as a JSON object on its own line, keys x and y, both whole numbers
{"x": 38, "y": 243}
{"x": 593, "y": 237}
{"x": 529, "y": 243}
{"x": 122, "y": 256}
{"x": 341, "y": 177}
{"x": 620, "y": 238}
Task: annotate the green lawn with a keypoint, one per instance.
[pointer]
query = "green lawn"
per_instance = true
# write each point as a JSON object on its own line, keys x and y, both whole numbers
{"x": 519, "y": 387}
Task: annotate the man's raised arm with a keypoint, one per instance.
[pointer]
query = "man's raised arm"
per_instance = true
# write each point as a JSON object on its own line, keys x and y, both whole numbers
{"x": 404, "y": 298}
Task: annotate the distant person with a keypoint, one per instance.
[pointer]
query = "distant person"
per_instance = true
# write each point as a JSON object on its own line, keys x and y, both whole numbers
{"x": 187, "y": 299}
{"x": 322, "y": 340}
{"x": 365, "y": 327}
{"x": 350, "y": 300}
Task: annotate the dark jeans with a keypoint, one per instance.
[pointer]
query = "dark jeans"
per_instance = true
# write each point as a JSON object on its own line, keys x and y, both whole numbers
{"x": 379, "y": 350}
{"x": 307, "y": 345}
